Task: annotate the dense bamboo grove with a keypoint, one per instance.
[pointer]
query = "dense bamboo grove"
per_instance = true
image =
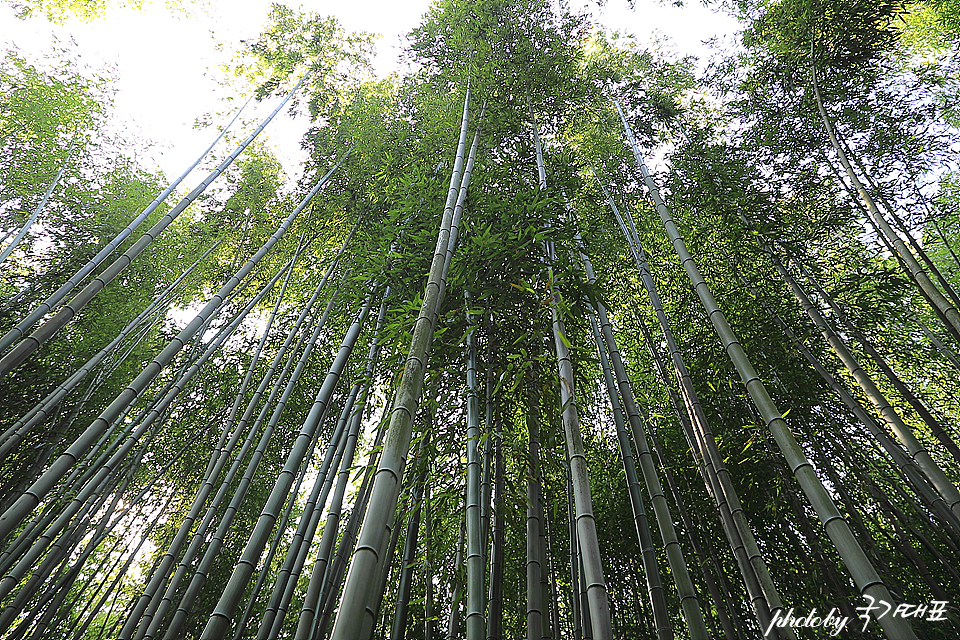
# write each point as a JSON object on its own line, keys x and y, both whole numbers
{"x": 482, "y": 373}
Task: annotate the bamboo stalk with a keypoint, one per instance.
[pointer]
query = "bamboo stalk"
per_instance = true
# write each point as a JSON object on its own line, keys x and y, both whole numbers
{"x": 858, "y": 565}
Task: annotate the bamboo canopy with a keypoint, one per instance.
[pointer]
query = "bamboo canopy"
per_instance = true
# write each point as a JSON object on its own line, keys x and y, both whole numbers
{"x": 480, "y": 371}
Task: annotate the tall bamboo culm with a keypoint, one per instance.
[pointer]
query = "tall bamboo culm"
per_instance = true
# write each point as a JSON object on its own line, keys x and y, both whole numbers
{"x": 586, "y": 526}
{"x": 863, "y": 573}
{"x": 386, "y": 486}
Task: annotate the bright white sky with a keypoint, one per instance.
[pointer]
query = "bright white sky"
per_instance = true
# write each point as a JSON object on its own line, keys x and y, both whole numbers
{"x": 162, "y": 58}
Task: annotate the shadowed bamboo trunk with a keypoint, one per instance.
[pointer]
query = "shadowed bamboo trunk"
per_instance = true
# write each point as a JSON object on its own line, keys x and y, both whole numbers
{"x": 476, "y": 601}
{"x": 534, "y": 557}
{"x": 411, "y": 539}
{"x": 495, "y": 628}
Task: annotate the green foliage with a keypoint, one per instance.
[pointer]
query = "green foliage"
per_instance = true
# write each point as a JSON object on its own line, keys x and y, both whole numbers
{"x": 752, "y": 172}
{"x": 293, "y": 44}
{"x": 62, "y": 10}
{"x": 49, "y": 119}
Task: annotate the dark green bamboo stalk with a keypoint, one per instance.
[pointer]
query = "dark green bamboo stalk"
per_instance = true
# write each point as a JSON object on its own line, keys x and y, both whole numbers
{"x": 658, "y": 602}
{"x": 427, "y": 566}
{"x": 411, "y": 539}
{"x": 476, "y": 601}
{"x": 495, "y": 611}
{"x": 534, "y": 557}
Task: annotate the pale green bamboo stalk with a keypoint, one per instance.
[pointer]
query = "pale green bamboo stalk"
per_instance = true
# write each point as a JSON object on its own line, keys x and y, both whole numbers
{"x": 308, "y": 610}
{"x": 48, "y": 305}
{"x": 150, "y": 599}
{"x": 380, "y": 588}
{"x": 596, "y": 588}
{"x": 863, "y": 573}
{"x": 486, "y": 484}
{"x": 950, "y": 313}
{"x": 475, "y": 624}
{"x": 345, "y": 462}
{"x": 32, "y": 497}
{"x": 336, "y": 569}
{"x": 694, "y": 538}
{"x": 36, "y": 212}
{"x": 427, "y": 566}
{"x": 219, "y": 621}
{"x": 698, "y": 443}
{"x": 586, "y": 526}
{"x": 386, "y": 487}
{"x": 458, "y": 207}
{"x": 688, "y": 599}
{"x": 900, "y": 429}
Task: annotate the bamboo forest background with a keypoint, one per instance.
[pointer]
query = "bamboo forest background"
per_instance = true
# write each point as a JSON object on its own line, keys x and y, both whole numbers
{"x": 478, "y": 372}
